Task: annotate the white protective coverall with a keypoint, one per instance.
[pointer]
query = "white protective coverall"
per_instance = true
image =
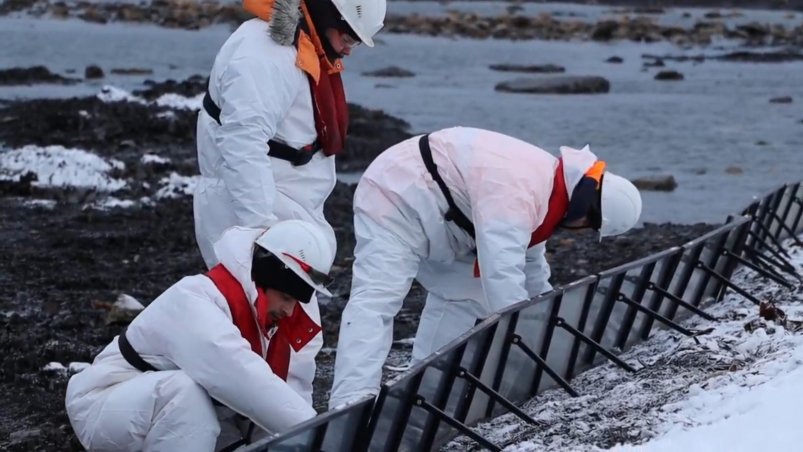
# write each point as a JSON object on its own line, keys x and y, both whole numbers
{"x": 262, "y": 95}
{"x": 187, "y": 333}
{"x": 502, "y": 185}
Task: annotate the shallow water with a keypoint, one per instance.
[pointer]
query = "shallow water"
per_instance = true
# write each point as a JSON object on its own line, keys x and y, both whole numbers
{"x": 719, "y": 116}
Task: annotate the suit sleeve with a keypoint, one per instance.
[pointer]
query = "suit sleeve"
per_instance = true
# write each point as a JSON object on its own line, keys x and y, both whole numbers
{"x": 255, "y": 95}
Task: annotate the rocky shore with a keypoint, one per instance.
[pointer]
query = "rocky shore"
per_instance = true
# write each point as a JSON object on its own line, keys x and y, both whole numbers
{"x": 634, "y": 23}
{"x": 67, "y": 262}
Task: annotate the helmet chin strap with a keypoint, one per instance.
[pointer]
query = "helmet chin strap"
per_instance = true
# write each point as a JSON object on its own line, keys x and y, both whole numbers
{"x": 324, "y": 16}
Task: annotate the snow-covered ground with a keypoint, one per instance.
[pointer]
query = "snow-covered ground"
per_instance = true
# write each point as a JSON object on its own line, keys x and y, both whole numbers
{"x": 736, "y": 388}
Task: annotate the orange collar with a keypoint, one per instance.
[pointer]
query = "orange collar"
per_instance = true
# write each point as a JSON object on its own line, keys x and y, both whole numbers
{"x": 311, "y": 57}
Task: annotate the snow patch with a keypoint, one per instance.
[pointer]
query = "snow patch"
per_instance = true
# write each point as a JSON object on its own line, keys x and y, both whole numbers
{"x": 153, "y": 159}
{"x": 43, "y": 203}
{"x": 113, "y": 94}
{"x": 176, "y": 185}
{"x": 57, "y": 166}
{"x": 738, "y": 389}
{"x": 179, "y": 102}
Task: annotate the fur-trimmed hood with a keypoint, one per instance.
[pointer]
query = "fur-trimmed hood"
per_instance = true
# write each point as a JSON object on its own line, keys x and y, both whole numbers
{"x": 285, "y": 20}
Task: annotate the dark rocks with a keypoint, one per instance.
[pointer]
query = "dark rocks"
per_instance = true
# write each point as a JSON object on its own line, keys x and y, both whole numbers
{"x": 781, "y": 100}
{"x": 781, "y": 56}
{"x": 89, "y": 123}
{"x": 669, "y": 75}
{"x": 615, "y": 60}
{"x": 531, "y": 68}
{"x": 391, "y": 71}
{"x": 656, "y": 183}
{"x": 32, "y": 75}
{"x": 131, "y": 71}
{"x": 93, "y": 72}
{"x": 190, "y": 87}
{"x": 604, "y": 30}
{"x": 556, "y": 85}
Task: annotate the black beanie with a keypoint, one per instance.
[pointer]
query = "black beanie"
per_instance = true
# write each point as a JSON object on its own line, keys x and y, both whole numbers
{"x": 269, "y": 272}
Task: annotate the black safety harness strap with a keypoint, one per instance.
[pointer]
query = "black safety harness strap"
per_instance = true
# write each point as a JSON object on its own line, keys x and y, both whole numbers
{"x": 276, "y": 149}
{"x": 454, "y": 213}
{"x": 131, "y": 355}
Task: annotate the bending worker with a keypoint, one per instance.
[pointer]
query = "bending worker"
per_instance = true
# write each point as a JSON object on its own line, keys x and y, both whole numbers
{"x": 213, "y": 352}
{"x": 465, "y": 212}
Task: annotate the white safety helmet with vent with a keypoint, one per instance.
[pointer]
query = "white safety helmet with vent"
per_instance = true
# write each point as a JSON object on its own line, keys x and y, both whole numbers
{"x": 303, "y": 248}
{"x": 365, "y": 17}
{"x": 620, "y": 205}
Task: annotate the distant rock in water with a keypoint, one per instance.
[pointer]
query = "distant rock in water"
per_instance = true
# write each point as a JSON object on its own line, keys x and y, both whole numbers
{"x": 32, "y": 75}
{"x": 781, "y": 100}
{"x": 532, "y": 69}
{"x": 615, "y": 60}
{"x": 93, "y": 71}
{"x": 669, "y": 75}
{"x": 131, "y": 71}
{"x": 656, "y": 183}
{"x": 780, "y": 56}
{"x": 568, "y": 84}
{"x": 390, "y": 71}
{"x": 190, "y": 87}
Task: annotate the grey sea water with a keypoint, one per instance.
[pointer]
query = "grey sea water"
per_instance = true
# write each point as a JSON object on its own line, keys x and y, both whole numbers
{"x": 718, "y": 117}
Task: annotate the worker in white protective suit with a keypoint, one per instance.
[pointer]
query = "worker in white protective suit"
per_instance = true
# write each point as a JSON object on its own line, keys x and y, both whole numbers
{"x": 217, "y": 357}
{"x": 275, "y": 115}
{"x": 465, "y": 212}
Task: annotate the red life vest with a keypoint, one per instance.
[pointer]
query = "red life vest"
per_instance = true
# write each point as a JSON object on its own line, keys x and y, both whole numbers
{"x": 558, "y": 205}
{"x": 293, "y": 332}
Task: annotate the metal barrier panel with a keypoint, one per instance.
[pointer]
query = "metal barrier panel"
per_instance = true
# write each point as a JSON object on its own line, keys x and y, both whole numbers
{"x": 336, "y": 430}
{"x": 532, "y": 331}
{"x": 405, "y": 416}
{"x": 542, "y": 343}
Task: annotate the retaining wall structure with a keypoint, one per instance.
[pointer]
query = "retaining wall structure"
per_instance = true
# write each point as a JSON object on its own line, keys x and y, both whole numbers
{"x": 544, "y": 342}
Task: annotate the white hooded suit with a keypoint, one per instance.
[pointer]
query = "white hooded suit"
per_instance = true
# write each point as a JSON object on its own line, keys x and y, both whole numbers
{"x": 188, "y": 334}
{"x": 502, "y": 185}
{"x": 262, "y": 95}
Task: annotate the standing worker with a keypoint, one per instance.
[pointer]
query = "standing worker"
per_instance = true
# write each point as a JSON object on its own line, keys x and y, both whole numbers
{"x": 466, "y": 212}
{"x": 275, "y": 115}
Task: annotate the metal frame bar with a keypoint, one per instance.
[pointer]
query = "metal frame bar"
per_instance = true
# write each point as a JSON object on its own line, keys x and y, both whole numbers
{"x": 635, "y": 304}
{"x": 715, "y": 243}
{"x": 477, "y": 383}
{"x": 593, "y": 344}
{"x": 591, "y": 290}
{"x": 400, "y": 424}
{"x": 728, "y": 282}
{"x": 477, "y": 367}
{"x": 461, "y": 427}
{"x": 765, "y": 272}
{"x": 770, "y": 262}
{"x": 682, "y": 282}
{"x": 503, "y": 355}
{"x": 557, "y": 302}
{"x": 442, "y": 393}
{"x": 604, "y": 315}
{"x": 516, "y": 339}
{"x": 629, "y": 318}
{"x": 666, "y": 294}
{"x": 664, "y": 279}
{"x": 774, "y": 241}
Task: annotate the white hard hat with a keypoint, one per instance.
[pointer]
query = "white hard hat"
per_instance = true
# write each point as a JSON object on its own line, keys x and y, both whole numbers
{"x": 620, "y": 205}
{"x": 365, "y": 17}
{"x": 303, "y": 248}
